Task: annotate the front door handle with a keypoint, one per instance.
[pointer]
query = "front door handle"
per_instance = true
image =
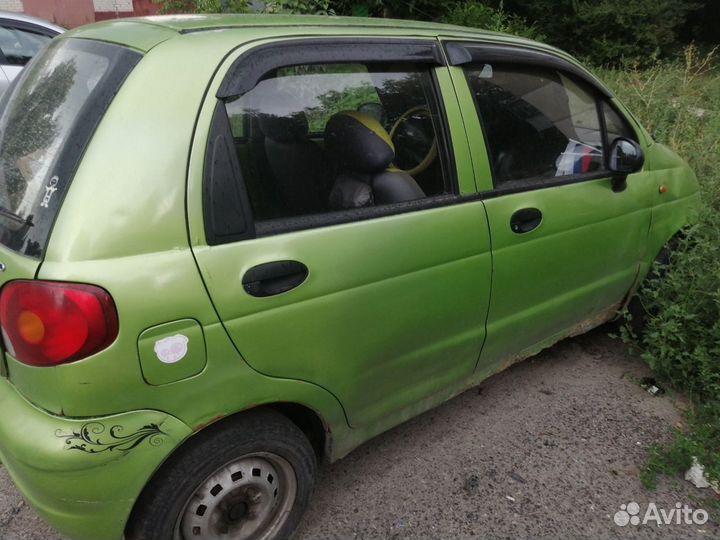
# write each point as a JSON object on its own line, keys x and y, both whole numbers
{"x": 269, "y": 279}
{"x": 525, "y": 220}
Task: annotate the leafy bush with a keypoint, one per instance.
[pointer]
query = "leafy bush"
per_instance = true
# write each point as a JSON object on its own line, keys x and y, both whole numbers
{"x": 477, "y": 15}
{"x": 308, "y": 7}
{"x": 701, "y": 441}
{"x": 203, "y": 6}
{"x": 614, "y": 31}
{"x": 680, "y": 104}
{"x": 608, "y": 32}
{"x": 681, "y": 341}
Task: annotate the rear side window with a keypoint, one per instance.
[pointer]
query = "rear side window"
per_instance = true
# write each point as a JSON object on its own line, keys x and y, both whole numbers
{"x": 46, "y": 121}
{"x": 540, "y": 124}
{"x": 317, "y": 139}
{"x": 324, "y": 90}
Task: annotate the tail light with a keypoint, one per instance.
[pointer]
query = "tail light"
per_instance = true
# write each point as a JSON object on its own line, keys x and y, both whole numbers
{"x": 49, "y": 323}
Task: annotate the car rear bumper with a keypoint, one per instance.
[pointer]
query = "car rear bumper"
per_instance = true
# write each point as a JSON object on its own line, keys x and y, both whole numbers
{"x": 83, "y": 475}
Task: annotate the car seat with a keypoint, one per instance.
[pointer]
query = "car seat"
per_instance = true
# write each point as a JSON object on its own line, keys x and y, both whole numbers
{"x": 296, "y": 162}
{"x": 363, "y": 153}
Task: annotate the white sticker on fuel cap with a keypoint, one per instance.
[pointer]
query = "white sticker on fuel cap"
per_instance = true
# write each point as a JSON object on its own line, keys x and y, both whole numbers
{"x": 171, "y": 349}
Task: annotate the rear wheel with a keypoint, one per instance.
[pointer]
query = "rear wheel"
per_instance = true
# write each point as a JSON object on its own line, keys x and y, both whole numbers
{"x": 249, "y": 477}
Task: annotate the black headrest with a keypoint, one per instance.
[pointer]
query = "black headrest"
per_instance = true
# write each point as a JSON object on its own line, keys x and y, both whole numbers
{"x": 284, "y": 129}
{"x": 359, "y": 142}
{"x": 280, "y": 113}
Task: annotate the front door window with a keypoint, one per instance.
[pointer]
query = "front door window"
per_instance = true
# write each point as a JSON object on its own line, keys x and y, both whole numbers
{"x": 540, "y": 124}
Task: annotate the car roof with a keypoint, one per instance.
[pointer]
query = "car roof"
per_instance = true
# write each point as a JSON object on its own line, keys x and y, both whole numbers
{"x": 29, "y": 19}
{"x": 195, "y": 23}
{"x": 143, "y": 33}
{"x": 219, "y": 33}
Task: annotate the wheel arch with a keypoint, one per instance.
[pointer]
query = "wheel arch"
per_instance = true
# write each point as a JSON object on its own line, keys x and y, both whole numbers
{"x": 306, "y": 419}
{"x": 647, "y": 271}
{"x": 310, "y": 422}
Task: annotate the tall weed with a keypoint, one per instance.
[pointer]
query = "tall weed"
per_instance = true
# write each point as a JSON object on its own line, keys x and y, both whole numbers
{"x": 679, "y": 103}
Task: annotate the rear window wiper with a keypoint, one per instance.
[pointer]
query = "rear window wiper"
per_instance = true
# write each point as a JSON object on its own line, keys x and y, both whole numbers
{"x": 16, "y": 219}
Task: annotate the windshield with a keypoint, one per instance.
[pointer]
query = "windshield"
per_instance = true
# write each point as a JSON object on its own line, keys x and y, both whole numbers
{"x": 46, "y": 121}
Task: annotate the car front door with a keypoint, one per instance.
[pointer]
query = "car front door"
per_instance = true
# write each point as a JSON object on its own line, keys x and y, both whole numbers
{"x": 324, "y": 261}
{"x": 566, "y": 245}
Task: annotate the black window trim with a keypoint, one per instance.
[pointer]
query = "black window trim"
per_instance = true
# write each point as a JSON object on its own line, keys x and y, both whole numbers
{"x": 272, "y": 227}
{"x": 244, "y": 75}
{"x": 535, "y": 183}
{"x": 460, "y": 53}
{"x": 316, "y": 51}
{"x": 244, "y": 229}
{"x": 603, "y": 131}
{"x": 446, "y": 148}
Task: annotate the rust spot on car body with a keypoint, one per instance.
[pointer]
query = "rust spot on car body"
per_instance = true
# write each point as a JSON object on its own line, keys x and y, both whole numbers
{"x": 202, "y": 426}
{"x": 581, "y": 328}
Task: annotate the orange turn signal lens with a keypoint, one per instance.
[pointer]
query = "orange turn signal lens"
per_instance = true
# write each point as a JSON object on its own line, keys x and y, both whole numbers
{"x": 31, "y": 327}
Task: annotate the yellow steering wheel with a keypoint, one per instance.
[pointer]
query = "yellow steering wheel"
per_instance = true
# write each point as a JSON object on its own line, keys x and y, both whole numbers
{"x": 420, "y": 110}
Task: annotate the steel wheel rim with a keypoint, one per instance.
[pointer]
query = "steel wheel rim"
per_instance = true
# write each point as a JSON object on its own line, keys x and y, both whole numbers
{"x": 248, "y": 498}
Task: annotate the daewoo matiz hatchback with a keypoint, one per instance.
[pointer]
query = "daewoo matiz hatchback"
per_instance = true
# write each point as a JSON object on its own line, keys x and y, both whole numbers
{"x": 233, "y": 246}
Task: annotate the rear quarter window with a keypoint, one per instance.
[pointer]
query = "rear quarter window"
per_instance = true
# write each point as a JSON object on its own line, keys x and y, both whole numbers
{"x": 46, "y": 121}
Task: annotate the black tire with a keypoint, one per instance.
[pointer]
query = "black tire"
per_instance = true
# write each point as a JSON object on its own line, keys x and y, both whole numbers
{"x": 158, "y": 510}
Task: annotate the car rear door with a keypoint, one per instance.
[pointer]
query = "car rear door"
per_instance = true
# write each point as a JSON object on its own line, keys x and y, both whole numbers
{"x": 566, "y": 246}
{"x": 382, "y": 305}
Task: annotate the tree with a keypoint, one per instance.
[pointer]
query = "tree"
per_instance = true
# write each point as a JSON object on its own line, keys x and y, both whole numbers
{"x": 701, "y": 24}
{"x": 608, "y": 32}
{"x": 604, "y": 32}
{"x": 477, "y": 15}
{"x": 31, "y": 123}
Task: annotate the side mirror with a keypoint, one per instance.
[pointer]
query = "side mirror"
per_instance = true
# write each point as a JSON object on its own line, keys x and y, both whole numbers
{"x": 625, "y": 157}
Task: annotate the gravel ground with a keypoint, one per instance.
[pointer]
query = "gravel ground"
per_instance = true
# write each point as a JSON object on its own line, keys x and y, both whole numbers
{"x": 548, "y": 449}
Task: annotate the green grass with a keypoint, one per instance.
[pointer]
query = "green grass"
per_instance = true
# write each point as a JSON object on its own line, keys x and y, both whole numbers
{"x": 679, "y": 103}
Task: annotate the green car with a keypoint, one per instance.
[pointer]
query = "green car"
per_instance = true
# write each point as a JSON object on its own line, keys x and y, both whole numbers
{"x": 233, "y": 247}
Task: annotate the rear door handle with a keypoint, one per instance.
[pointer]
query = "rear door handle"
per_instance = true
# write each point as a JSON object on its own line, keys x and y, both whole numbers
{"x": 269, "y": 279}
{"x": 525, "y": 220}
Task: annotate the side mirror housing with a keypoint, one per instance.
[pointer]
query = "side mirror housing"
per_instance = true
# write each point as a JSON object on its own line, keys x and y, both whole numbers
{"x": 625, "y": 157}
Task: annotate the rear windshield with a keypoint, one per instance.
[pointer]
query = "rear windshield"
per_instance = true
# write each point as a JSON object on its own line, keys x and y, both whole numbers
{"x": 46, "y": 120}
